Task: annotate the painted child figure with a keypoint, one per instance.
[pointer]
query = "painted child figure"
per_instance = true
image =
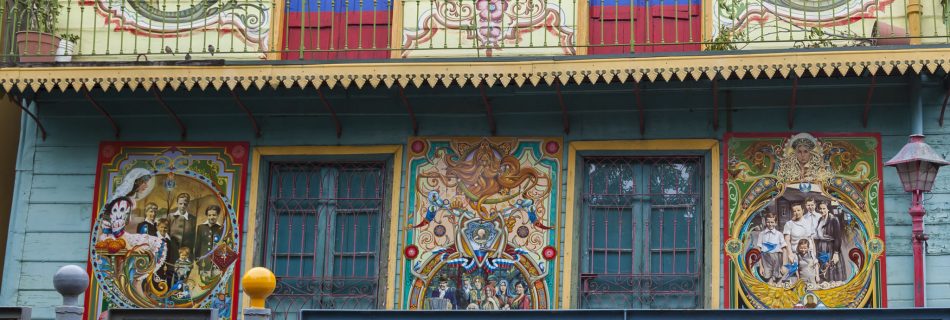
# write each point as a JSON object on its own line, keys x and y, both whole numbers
{"x": 771, "y": 243}
{"x": 182, "y": 271}
{"x": 223, "y": 305}
{"x": 807, "y": 264}
{"x": 113, "y": 231}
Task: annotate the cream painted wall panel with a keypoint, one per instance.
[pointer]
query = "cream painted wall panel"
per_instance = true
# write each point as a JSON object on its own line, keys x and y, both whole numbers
{"x": 107, "y": 35}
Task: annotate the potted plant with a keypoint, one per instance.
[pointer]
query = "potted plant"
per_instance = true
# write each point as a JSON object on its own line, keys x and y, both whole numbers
{"x": 36, "y": 20}
{"x": 67, "y": 47}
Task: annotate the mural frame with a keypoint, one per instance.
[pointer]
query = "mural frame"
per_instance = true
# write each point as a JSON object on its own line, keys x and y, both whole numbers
{"x": 109, "y": 152}
{"x": 731, "y": 288}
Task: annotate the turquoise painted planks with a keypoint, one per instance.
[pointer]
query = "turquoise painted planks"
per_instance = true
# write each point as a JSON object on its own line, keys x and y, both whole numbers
{"x": 57, "y": 207}
{"x": 62, "y": 188}
{"x": 56, "y": 247}
{"x": 59, "y": 217}
{"x": 39, "y": 275}
{"x": 49, "y": 160}
{"x": 40, "y": 301}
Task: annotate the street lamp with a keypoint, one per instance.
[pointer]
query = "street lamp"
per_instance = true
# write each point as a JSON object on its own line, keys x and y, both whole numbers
{"x": 917, "y": 165}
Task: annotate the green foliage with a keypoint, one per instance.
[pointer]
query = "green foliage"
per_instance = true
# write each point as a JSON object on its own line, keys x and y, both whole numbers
{"x": 731, "y": 8}
{"x": 69, "y": 37}
{"x": 36, "y": 15}
{"x": 816, "y": 38}
{"x": 725, "y": 40}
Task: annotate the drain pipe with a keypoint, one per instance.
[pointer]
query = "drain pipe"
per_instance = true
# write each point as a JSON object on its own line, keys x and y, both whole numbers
{"x": 917, "y": 105}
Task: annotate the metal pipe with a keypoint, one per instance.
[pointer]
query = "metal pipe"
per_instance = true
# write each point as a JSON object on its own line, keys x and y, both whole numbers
{"x": 917, "y": 212}
{"x": 919, "y": 238}
{"x": 917, "y": 105}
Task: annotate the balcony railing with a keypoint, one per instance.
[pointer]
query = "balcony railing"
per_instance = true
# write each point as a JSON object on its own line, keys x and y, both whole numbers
{"x": 128, "y": 30}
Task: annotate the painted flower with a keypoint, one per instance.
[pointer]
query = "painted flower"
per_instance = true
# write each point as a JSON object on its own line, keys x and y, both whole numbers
{"x": 489, "y": 35}
{"x": 491, "y": 10}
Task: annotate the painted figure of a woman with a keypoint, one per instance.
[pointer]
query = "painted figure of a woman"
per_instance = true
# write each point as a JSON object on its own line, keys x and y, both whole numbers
{"x": 828, "y": 245}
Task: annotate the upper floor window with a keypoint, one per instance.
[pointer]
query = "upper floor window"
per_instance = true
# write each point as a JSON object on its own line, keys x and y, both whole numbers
{"x": 323, "y": 235}
{"x": 642, "y": 232}
{"x": 653, "y": 26}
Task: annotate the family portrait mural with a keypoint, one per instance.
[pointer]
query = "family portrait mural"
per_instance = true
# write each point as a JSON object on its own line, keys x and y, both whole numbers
{"x": 166, "y": 231}
{"x": 481, "y": 226}
{"x": 803, "y": 228}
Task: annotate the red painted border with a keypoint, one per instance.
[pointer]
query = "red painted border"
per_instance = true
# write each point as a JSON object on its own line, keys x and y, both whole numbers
{"x": 239, "y": 159}
{"x": 727, "y": 293}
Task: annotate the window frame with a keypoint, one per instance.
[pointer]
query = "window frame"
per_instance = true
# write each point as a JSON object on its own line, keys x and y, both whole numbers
{"x": 257, "y": 224}
{"x": 710, "y": 231}
{"x": 642, "y": 246}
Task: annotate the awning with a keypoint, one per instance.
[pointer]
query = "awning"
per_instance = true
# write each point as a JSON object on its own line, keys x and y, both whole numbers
{"x": 487, "y": 72}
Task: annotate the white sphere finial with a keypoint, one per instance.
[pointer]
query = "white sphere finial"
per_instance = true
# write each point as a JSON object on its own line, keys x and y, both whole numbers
{"x": 70, "y": 281}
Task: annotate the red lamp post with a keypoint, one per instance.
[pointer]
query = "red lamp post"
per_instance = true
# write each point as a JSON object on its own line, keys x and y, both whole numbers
{"x": 917, "y": 165}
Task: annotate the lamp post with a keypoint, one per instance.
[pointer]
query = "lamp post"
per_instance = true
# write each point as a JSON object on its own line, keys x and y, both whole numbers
{"x": 917, "y": 165}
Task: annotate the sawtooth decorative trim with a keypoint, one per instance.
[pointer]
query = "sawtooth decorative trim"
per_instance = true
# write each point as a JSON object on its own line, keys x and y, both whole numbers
{"x": 490, "y": 73}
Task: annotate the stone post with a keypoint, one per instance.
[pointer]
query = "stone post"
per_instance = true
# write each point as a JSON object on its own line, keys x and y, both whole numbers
{"x": 70, "y": 281}
{"x": 258, "y": 284}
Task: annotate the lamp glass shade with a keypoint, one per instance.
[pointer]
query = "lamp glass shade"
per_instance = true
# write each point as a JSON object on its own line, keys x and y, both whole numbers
{"x": 917, "y": 175}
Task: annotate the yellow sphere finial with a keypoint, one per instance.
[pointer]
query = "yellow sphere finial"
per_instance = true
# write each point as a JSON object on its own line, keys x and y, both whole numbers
{"x": 259, "y": 283}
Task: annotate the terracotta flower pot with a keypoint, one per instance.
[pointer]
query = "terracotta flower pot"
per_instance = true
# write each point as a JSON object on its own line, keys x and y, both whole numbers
{"x": 36, "y": 46}
{"x": 888, "y": 35}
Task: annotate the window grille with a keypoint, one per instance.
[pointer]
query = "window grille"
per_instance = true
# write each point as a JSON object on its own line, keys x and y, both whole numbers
{"x": 642, "y": 232}
{"x": 324, "y": 221}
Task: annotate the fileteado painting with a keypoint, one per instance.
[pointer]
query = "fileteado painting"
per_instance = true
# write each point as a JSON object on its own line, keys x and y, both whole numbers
{"x": 481, "y": 229}
{"x": 166, "y": 226}
{"x": 804, "y": 223}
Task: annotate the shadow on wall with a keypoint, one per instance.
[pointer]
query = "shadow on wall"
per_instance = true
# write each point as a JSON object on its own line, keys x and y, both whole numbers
{"x": 9, "y": 143}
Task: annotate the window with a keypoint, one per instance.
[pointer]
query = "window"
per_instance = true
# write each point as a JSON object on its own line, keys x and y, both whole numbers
{"x": 642, "y": 232}
{"x": 655, "y": 26}
{"x": 337, "y": 29}
{"x": 323, "y": 229}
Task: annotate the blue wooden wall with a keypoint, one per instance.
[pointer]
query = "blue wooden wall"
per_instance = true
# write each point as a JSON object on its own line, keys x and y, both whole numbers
{"x": 54, "y": 188}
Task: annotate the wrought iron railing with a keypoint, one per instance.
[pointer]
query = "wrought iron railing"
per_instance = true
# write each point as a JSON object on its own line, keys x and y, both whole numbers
{"x": 128, "y": 30}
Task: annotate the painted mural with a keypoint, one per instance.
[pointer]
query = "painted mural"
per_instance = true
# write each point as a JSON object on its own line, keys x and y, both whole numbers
{"x": 481, "y": 229}
{"x": 166, "y": 230}
{"x": 807, "y": 23}
{"x": 488, "y": 27}
{"x": 168, "y": 29}
{"x": 804, "y": 221}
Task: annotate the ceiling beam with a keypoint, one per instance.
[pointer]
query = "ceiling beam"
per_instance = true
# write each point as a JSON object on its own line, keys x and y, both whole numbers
{"x": 791, "y": 106}
{"x": 640, "y": 111}
{"x": 946, "y": 96}
{"x": 867, "y": 103}
{"x": 560, "y": 100}
{"x": 488, "y": 110}
{"x": 412, "y": 113}
{"x": 715, "y": 104}
{"x": 18, "y": 101}
{"x": 336, "y": 120}
{"x": 115, "y": 126}
{"x": 161, "y": 101}
{"x": 250, "y": 115}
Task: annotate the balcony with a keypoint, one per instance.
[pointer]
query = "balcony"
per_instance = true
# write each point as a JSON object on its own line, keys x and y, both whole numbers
{"x": 113, "y": 31}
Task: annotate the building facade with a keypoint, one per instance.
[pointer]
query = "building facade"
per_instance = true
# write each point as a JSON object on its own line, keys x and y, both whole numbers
{"x": 492, "y": 154}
